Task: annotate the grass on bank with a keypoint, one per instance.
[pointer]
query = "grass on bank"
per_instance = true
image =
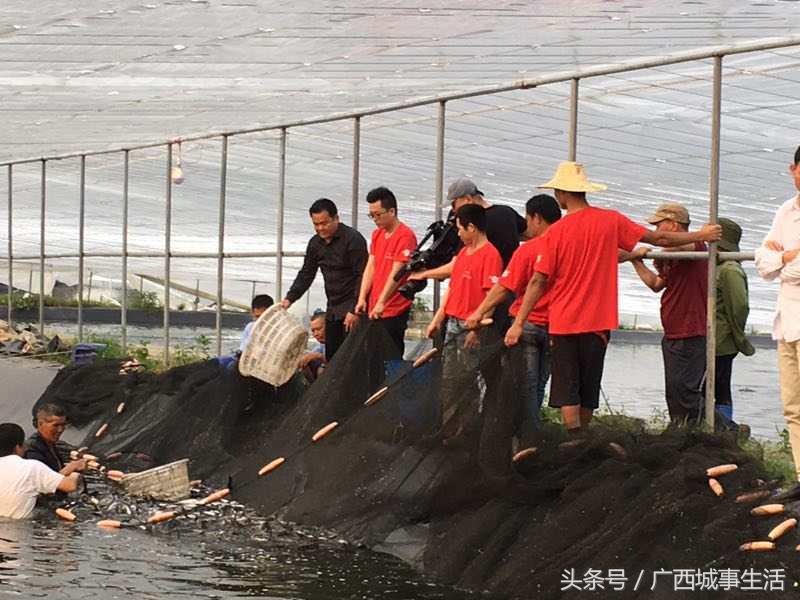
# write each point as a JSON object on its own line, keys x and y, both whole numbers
{"x": 151, "y": 359}
{"x": 775, "y": 457}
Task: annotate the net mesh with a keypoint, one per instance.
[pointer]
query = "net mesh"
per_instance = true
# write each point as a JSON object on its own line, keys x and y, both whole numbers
{"x": 426, "y": 472}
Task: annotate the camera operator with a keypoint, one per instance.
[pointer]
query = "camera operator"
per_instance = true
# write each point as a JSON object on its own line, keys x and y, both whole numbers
{"x": 504, "y": 229}
{"x": 390, "y": 248}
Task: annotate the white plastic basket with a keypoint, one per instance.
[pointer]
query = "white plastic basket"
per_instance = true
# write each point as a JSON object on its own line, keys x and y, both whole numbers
{"x": 277, "y": 342}
{"x": 168, "y": 482}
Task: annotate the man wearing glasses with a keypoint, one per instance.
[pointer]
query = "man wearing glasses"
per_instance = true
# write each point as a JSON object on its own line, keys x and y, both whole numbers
{"x": 340, "y": 252}
{"x": 391, "y": 246}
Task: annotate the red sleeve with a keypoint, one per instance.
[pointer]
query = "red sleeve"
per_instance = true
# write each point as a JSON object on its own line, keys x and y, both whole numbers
{"x": 492, "y": 268}
{"x": 514, "y": 270}
{"x": 543, "y": 263}
{"x": 405, "y": 246}
{"x": 628, "y": 232}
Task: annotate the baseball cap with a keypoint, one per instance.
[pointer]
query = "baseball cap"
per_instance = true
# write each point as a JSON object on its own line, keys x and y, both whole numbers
{"x": 672, "y": 211}
{"x": 462, "y": 187}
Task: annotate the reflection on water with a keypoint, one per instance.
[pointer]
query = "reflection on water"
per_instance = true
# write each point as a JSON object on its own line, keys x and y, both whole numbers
{"x": 46, "y": 558}
{"x": 633, "y": 381}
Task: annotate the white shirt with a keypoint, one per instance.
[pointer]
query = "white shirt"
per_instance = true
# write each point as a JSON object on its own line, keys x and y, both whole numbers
{"x": 248, "y": 331}
{"x": 21, "y": 481}
{"x": 786, "y": 231}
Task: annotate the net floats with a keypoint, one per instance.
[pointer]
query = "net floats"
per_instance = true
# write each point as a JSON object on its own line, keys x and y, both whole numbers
{"x": 109, "y": 524}
{"x": 271, "y": 466}
{"x": 721, "y": 470}
{"x": 523, "y": 454}
{"x": 377, "y": 395}
{"x": 218, "y": 495}
{"x": 425, "y": 357}
{"x": 767, "y": 510}
{"x": 120, "y": 408}
{"x": 716, "y": 487}
{"x": 63, "y": 513}
{"x": 752, "y": 497}
{"x": 160, "y": 517}
{"x": 757, "y": 547}
{"x": 101, "y": 431}
{"x": 324, "y": 431}
{"x": 781, "y": 529}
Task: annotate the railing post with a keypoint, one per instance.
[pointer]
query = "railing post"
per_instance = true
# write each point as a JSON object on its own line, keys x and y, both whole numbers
{"x": 573, "y": 120}
{"x": 81, "y": 245}
{"x": 223, "y": 182}
{"x": 713, "y": 197}
{"x": 439, "y": 194}
{"x": 124, "y": 314}
{"x": 356, "y": 167}
{"x": 43, "y": 208}
{"x": 10, "y": 248}
{"x": 167, "y": 250}
{"x": 281, "y": 202}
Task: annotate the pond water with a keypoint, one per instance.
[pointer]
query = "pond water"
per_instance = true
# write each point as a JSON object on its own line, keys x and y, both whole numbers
{"x": 47, "y": 558}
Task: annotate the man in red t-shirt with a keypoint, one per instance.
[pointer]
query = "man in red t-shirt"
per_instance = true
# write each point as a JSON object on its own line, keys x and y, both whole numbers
{"x": 476, "y": 269}
{"x": 541, "y": 211}
{"x": 579, "y": 266}
{"x": 683, "y": 316}
{"x": 390, "y": 248}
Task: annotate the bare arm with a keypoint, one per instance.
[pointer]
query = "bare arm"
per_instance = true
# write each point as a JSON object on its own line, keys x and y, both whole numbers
{"x": 69, "y": 483}
{"x": 672, "y": 239}
{"x": 366, "y": 284}
{"x": 443, "y": 272}
{"x": 650, "y": 278}
{"x": 495, "y": 296}
{"x": 535, "y": 290}
{"x": 73, "y": 467}
{"x": 389, "y": 288}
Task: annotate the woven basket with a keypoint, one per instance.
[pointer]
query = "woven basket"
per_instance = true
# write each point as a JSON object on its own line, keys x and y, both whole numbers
{"x": 276, "y": 344}
{"x": 169, "y": 482}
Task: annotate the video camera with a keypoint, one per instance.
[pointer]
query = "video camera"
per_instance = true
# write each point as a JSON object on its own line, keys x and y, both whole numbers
{"x": 444, "y": 243}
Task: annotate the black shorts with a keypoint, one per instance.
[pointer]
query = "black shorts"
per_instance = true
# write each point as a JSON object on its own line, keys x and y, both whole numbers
{"x": 577, "y": 369}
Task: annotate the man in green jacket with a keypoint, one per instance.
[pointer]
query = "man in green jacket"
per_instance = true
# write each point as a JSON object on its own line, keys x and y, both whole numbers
{"x": 732, "y": 311}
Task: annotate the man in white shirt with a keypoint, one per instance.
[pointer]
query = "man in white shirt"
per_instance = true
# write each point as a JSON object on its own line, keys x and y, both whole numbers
{"x": 777, "y": 258}
{"x": 21, "y": 480}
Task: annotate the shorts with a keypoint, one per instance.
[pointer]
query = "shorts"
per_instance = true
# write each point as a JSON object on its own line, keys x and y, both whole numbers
{"x": 577, "y": 368}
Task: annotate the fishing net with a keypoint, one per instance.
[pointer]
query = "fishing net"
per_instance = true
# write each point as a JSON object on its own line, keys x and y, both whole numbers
{"x": 426, "y": 472}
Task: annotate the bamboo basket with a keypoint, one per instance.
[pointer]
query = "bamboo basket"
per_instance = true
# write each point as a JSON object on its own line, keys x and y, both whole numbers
{"x": 168, "y": 482}
{"x": 276, "y": 344}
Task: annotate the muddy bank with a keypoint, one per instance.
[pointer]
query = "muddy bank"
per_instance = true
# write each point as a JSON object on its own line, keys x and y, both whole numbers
{"x": 456, "y": 510}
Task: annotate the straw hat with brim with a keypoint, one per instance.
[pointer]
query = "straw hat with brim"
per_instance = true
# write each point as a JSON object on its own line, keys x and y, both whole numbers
{"x": 731, "y": 236}
{"x": 571, "y": 177}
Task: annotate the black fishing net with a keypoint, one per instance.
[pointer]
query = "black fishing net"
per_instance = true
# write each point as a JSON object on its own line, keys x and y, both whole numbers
{"x": 426, "y": 472}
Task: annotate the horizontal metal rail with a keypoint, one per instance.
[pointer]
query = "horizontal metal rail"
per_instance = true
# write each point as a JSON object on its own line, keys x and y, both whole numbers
{"x": 746, "y": 255}
{"x": 156, "y": 254}
{"x": 558, "y": 77}
{"x": 662, "y": 254}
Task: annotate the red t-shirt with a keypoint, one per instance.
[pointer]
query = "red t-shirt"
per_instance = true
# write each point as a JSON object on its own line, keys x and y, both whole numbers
{"x": 387, "y": 250}
{"x": 580, "y": 260}
{"x": 473, "y": 274}
{"x": 685, "y": 297}
{"x": 517, "y": 275}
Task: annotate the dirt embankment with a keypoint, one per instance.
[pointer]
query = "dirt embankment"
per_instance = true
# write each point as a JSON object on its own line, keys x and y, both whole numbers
{"x": 585, "y": 512}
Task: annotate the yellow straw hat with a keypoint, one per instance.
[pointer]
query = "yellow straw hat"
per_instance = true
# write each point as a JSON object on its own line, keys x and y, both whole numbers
{"x": 571, "y": 177}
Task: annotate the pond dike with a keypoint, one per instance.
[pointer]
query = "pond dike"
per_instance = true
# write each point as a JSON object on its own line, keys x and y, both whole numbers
{"x": 452, "y": 505}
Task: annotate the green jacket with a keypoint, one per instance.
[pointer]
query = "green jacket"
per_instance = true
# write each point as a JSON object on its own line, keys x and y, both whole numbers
{"x": 732, "y": 309}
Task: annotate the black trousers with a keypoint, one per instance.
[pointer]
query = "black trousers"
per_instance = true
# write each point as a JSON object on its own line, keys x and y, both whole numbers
{"x": 335, "y": 335}
{"x": 684, "y": 370}
{"x": 396, "y": 328}
{"x": 577, "y": 369}
{"x": 722, "y": 380}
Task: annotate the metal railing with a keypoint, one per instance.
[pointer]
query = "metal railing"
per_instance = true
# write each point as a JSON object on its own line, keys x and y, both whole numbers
{"x": 573, "y": 77}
